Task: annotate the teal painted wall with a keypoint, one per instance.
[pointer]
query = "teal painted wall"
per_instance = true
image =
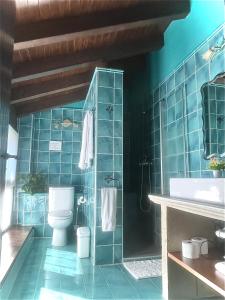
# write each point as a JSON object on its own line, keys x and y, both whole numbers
{"x": 183, "y": 36}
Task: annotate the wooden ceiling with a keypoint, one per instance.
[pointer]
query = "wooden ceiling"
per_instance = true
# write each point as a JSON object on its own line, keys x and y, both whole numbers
{"x": 58, "y": 44}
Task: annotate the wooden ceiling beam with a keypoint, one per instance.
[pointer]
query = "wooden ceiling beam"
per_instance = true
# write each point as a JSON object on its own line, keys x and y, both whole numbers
{"x": 59, "y": 43}
{"x": 118, "y": 50}
{"x": 37, "y": 97}
{"x": 29, "y": 50}
{"x": 74, "y": 68}
{"x": 29, "y": 11}
{"x": 51, "y": 100}
{"x": 47, "y": 84}
{"x": 142, "y": 10}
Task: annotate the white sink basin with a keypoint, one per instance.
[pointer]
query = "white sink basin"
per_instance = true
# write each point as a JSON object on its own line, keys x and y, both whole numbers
{"x": 199, "y": 189}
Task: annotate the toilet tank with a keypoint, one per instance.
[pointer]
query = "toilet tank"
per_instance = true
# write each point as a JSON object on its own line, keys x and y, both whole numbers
{"x": 61, "y": 198}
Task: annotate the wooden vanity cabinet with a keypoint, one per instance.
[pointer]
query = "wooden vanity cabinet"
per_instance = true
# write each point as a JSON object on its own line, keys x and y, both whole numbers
{"x": 186, "y": 278}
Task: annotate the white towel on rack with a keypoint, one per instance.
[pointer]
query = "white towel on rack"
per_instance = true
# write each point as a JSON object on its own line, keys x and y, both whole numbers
{"x": 108, "y": 208}
{"x": 87, "y": 150}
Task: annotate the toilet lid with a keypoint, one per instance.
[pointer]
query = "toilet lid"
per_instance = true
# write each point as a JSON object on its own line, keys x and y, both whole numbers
{"x": 60, "y": 214}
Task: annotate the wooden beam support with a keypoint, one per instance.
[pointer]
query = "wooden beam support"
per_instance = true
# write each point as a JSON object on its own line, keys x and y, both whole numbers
{"x": 51, "y": 100}
{"x": 67, "y": 43}
{"x": 119, "y": 50}
{"x": 142, "y": 10}
{"x": 28, "y": 88}
{"x": 76, "y": 68}
{"x": 37, "y": 97}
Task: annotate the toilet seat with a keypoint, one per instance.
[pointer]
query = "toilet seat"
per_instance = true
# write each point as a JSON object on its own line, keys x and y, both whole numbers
{"x": 60, "y": 214}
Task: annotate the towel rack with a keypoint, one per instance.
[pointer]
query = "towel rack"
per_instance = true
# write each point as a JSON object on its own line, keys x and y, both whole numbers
{"x": 109, "y": 178}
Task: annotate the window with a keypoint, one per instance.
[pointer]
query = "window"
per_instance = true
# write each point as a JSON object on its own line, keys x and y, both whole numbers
{"x": 10, "y": 179}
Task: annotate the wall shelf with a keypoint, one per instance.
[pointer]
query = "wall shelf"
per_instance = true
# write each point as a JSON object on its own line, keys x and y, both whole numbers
{"x": 203, "y": 268}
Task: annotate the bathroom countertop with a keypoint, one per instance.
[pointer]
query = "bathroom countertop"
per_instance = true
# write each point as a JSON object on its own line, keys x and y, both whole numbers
{"x": 204, "y": 209}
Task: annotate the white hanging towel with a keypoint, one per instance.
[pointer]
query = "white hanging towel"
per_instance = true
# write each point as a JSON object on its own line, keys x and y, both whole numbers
{"x": 108, "y": 208}
{"x": 87, "y": 150}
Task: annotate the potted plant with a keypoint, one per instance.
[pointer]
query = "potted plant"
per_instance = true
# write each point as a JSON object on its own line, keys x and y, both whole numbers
{"x": 217, "y": 166}
{"x": 33, "y": 183}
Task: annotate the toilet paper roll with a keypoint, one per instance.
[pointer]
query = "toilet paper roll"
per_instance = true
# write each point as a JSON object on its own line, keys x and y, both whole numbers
{"x": 190, "y": 249}
{"x": 202, "y": 244}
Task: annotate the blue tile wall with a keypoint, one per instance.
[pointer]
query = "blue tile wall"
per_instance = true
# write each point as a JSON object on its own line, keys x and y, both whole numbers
{"x": 105, "y": 94}
{"x": 110, "y": 130}
{"x": 59, "y": 167}
{"x": 35, "y": 132}
{"x": 89, "y": 175}
{"x": 182, "y": 117}
{"x": 33, "y": 210}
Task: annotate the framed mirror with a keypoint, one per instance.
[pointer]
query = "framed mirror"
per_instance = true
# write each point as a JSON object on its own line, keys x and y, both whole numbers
{"x": 213, "y": 114}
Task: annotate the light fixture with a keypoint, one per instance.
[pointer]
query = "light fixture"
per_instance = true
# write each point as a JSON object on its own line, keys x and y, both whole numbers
{"x": 213, "y": 51}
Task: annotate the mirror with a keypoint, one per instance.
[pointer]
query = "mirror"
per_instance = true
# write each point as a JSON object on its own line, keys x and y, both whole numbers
{"x": 213, "y": 113}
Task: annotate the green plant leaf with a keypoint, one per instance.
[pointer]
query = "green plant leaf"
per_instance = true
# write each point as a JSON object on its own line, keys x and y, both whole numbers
{"x": 34, "y": 183}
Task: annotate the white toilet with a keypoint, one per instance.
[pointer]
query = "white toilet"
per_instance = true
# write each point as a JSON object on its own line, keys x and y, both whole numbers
{"x": 60, "y": 213}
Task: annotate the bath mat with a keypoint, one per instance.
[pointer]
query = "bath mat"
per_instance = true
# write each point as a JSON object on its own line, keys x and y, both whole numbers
{"x": 140, "y": 269}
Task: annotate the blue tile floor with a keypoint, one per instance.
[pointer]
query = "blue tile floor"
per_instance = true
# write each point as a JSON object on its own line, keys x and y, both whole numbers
{"x": 58, "y": 274}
